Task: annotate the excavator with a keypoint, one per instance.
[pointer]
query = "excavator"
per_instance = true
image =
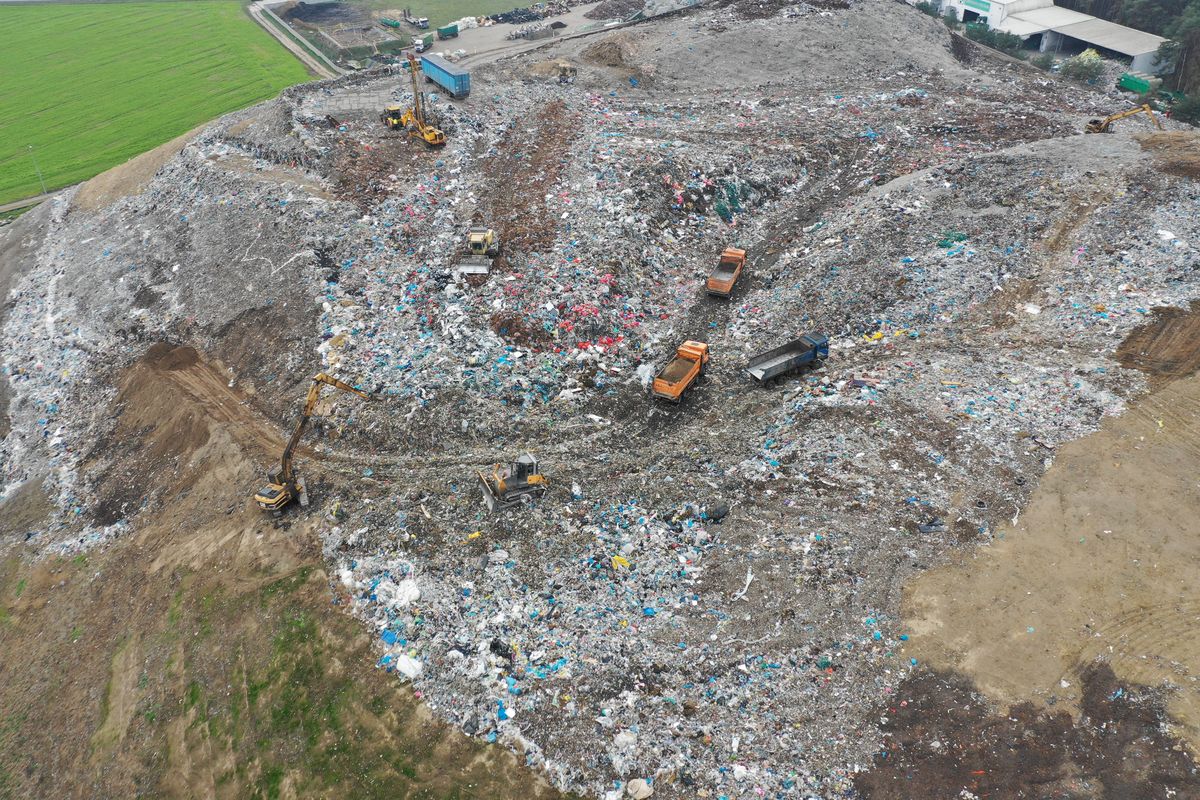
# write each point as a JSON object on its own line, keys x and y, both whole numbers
{"x": 512, "y": 485}
{"x": 413, "y": 119}
{"x": 285, "y": 486}
{"x": 1105, "y": 125}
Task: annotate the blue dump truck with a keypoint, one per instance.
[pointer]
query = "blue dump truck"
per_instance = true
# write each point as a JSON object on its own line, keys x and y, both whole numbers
{"x": 773, "y": 365}
{"x": 455, "y": 80}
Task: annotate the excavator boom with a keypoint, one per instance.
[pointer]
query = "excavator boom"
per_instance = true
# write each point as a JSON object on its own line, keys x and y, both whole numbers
{"x": 283, "y": 487}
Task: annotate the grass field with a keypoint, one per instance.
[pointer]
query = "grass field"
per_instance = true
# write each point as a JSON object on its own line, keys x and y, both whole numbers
{"x": 92, "y": 85}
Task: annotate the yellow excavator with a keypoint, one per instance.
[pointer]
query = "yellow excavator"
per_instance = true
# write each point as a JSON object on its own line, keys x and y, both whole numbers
{"x": 413, "y": 119}
{"x": 1105, "y": 125}
{"x": 285, "y": 486}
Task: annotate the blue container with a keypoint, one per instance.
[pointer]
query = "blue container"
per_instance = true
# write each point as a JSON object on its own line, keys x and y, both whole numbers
{"x": 455, "y": 80}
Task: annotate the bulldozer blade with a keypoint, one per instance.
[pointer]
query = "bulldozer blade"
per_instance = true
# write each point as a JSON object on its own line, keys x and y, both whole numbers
{"x": 489, "y": 496}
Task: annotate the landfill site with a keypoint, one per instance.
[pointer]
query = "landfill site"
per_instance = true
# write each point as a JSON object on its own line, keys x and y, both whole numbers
{"x": 585, "y": 524}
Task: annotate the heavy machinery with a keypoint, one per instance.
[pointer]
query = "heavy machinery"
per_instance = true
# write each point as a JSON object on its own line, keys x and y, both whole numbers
{"x": 566, "y": 73}
{"x": 774, "y": 365}
{"x": 483, "y": 242}
{"x": 285, "y": 486}
{"x": 720, "y": 282}
{"x": 413, "y": 119}
{"x": 509, "y": 486}
{"x": 685, "y": 369}
{"x": 1105, "y": 125}
{"x": 482, "y": 246}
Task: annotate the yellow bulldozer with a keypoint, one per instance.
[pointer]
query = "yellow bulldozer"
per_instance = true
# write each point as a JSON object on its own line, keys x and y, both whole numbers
{"x": 285, "y": 486}
{"x": 413, "y": 119}
{"x": 509, "y": 486}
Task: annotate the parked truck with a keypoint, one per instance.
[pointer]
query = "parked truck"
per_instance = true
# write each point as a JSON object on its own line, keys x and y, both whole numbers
{"x": 448, "y": 32}
{"x": 684, "y": 370}
{"x": 728, "y": 270}
{"x": 422, "y": 43}
{"x": 773, "y": 365}
{"x": 455, "y": 80}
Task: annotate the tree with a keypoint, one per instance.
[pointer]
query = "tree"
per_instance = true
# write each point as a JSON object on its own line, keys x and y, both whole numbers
{"x": 1086, "y": 67}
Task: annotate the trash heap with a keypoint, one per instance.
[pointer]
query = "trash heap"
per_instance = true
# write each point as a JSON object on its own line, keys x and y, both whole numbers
{"x": 706, "y": 603}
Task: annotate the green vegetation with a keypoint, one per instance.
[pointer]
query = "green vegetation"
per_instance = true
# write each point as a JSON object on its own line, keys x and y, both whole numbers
{"x": 89, "y": 86}
{"x": 997, "y": 40}
{"x": 1086, "y": 67}
{"x": 1187, "y": 110}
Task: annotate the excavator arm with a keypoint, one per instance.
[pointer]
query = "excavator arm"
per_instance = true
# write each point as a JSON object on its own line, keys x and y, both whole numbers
{"x": 1102, "y": 126}
{"x": 286, "y": 477}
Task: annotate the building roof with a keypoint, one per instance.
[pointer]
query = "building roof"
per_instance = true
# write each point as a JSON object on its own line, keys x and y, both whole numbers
{"x": 1050, "y": 17}
{"x": 1116, "y": 37}
{"x": 1099, "y": 32}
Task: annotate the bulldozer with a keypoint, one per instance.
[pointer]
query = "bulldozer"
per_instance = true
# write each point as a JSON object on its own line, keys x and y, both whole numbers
{"x": 1105, "y": 125}
{"x": 510, "y": 486}
{"x": 483, "y": 242}
{"x": 285, "y": 486}
{"x": 413, "y": 119}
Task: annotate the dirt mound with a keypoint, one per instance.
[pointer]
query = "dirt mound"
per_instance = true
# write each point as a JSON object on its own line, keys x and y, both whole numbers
{"x": 1165, "y": 348}
{"x": 614, "y": 51}
{"x": 1177, "y": 152}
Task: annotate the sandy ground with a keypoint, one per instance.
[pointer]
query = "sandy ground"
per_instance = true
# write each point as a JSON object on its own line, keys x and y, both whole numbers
{"x": 1103, "y": 564}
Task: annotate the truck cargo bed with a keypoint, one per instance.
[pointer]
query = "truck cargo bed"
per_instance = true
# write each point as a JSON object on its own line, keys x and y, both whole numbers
{"x": 763, "y": 367}
{"x": 676, "y": 370}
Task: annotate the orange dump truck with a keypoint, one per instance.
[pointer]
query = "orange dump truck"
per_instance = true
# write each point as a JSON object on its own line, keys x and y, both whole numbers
{"x": 678, "y": 376}
{"x": 729, "y": 269}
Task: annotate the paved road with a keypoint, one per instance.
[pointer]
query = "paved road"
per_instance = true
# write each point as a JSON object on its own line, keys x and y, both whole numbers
{"x": 322, "y": 66}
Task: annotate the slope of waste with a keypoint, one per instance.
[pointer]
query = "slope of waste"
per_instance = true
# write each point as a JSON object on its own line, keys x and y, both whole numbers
{"x": 706, "y": 603}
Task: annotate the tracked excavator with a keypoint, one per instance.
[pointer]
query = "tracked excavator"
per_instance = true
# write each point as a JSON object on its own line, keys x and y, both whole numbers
{"x": 285, "y": 486}
{"x": 1105, "y": 125}
{"x": 413, "y": 119}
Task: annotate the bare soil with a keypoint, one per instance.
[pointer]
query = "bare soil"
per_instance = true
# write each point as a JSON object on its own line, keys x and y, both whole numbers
{"x": 1099, "y": 567}
{"x": 206, "y": 655}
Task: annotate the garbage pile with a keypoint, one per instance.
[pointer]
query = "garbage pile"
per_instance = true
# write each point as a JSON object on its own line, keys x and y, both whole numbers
{"x": 706, "y": 602}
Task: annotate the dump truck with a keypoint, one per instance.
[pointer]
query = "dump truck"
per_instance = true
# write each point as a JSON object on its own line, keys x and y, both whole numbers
{"x": 684, "y": 370}
{"x": 448, "y": 32}
{"x": 422, "y": 43}
{"x": 728, "y": 270}
{"x": 455, "y": 80}
{"x": 773, "y": 365}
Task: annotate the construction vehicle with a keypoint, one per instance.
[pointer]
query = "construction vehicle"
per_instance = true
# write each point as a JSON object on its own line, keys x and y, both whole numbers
{"x": 285, "y": 486}
{"x": 413, "y": 119}
{"x": 422, "y": 43}
{"x": 482, "y": 246}
{"x": 773, "y": 365}
{"x": 417, "y": 22}
{"x": 684, "y": 370}
{"x": 447, "y": 32}
{"x": 1105, "y": 125}
{"x": 566, "y": 73}
{"x": 729, "y": 269}
{"x": 483, "y": 242}
{"x": 519, "y": 482}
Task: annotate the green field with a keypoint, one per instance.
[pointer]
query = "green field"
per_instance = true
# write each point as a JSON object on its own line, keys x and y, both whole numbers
{"x": 92, "y": 85}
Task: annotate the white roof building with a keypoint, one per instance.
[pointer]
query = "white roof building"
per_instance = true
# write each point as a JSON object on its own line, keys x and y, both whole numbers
{"x": 1026, "y": 18}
